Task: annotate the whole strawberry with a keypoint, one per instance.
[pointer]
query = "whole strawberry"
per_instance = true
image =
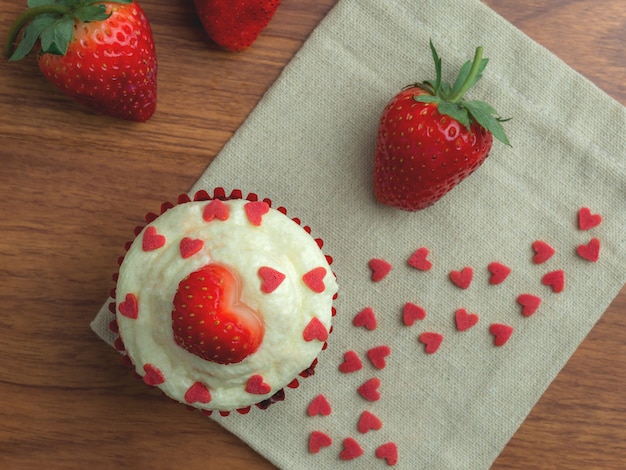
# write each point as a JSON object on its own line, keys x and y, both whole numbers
{"x": 430, "y": 138}
{"x": 209, "y": 320}
{"x": 235, "y": 25}
{"x": 99, "y": 53}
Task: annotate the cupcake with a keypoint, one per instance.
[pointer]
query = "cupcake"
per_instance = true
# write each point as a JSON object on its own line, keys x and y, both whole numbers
{"x": 222, "y": 302}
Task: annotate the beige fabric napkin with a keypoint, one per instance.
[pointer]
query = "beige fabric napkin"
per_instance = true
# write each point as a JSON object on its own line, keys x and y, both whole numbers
{"x": 309, "y": 146}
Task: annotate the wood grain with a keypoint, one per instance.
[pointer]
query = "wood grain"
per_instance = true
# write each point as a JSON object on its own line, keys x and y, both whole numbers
{"x": 65, "y": 402}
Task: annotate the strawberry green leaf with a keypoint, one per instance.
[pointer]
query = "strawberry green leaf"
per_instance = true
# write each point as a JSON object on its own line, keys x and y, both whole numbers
{"x": 92, "y": 13}
{"x": 455, "y": 111}
{"x": 437, "y": 61}
{"x": 31, "y": 33}
{"x": 427, "y": 98}
{"x": 464, "y": 73}
{"x": 55, "y": 39}
{"x": 483, "y": 114}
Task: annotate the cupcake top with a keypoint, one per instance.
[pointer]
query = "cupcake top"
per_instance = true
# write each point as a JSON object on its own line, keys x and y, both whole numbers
{"x": 221, "y": 304}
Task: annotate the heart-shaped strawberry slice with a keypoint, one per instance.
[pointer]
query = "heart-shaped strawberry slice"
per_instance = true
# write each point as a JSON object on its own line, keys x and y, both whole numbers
{"x": 590, "y": 251}
{"x": 369, "y": 422}
{"x": 543, "y": 251}
{"x": 555, "y": 280}
{"x": 464, "y": 320}
{"x": 389, "y": 452}
{"x": 190, "y": 246}
{"x": 587, "y": 220}
{"x": 209, "y": 319}
{"x": 151, "y": 240}
{"x": 270, "y": 279}
{"x": 319, "y": 406}
{"x": 369, "y": 390}
{"x": 351, "y": 363}
{"x": 431, "y": 341}
{"x": 317, "y": 440}
{"x": 378, "y": 355}
{"x": 380, "y": 268}
{"x": 499, "y": 272}
{"x": 129, "y": 307}
{"x": 462, "y": 278}
{"x": 351, "y": 449}
{"x": 530, "y": 303}
{"x": 411, "y": 313}
{"x": 366, "y": 318}
{"x": 419, "y": 259}
{"x": 501, "y": 333}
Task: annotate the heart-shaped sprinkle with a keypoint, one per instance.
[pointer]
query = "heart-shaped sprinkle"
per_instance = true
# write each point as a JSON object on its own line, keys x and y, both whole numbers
{"x": 351, "y": 363}
{"x": 257, "y": 386}
{"x": 366, "y": 318}
{"x": 270, "y": 279}
{"x": 555, "y": 280}
{"x": 369, "y": 390}
{"x": 462, "y": 278}
{"x": 377, "y": 356}
{"x": 380, "y": 268}
{"x": 389, "y": 452}
{"x": 530, "y": 303}
{"x": 501, "y": 333}
{"x": 411, "y": 313}
{"x": 369, "y": 422}
{"x": 464, "y": 320}
{"x": 153, "y": 376}
{"x": 130, "y": 307}
{"x": 431, "y": 341}
{"x": 151, "y": 239}
{"x": 314, "y": 279}
{"x": 499, "y": 272}
{"x": 319, "y": 406}
{"x": 419, "y": 259}
{"x": 317, "y": 440}
{"x": 215, "y": 209}
{"x": 351, "y": 449}
{"x": 543, "y": 252}
{"x": 198, "y": 393}
{"x": 315, "y": 330}
{"x": 190, "y": 246}
{"x": 590, "y": 251}
{"x": 587, "y": 220}
{"x": 255, "y": 210}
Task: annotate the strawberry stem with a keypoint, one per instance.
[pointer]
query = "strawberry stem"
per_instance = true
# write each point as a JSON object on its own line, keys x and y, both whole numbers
{"x": 25, "y": 18}
{"x": 470, "y": 80}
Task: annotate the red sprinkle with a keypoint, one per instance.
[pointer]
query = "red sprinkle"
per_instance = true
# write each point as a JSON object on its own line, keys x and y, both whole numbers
{"x": 319, "y": 406}
{"x": 369, "y": 390}
{"x": 587, "y": 220}
{"x": 314, "y": 279}
{"x": 270, "y": 279}
{"x": 151, "y": 239}
{"x": 315, "y": 330}
{"x": 380, "y": 268}
{"x": 153, "y": 376}
{"x": 215, "y": 209}
{"x": 317, "y": 440}
{"x": 530, "y": 303}
{"x": 255, "y": 210}
{"x": 351, "y": 363}
{"x": 499, "y": 272}
{"x": 366, "y": 318}
{"x": 462, "y": 278}
{"x": 464, "y": 320}
{"x": 419, "y": 259}
{"x": 351, "y": 449}
{"x": 378, "y": 355}
{"x": 590, "y": 251}
{"x": 190, "y": 246}
{"x": 130, "y": 307}
{"x": 257, "y": 386}
{"x": 432, "y": 341}
{"x": 555, "y": 280}
{"x": 198, "y": 392}
{"x": 368, "y": 422}
{"x": 543, "y": 252}
{"x": 501, "y": 333}
{"x": 412, "y": 312}
{"x": 389, "y": 452}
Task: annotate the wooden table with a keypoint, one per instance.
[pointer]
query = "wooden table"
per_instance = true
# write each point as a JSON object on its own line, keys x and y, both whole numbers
{"x": 73, "y": 185}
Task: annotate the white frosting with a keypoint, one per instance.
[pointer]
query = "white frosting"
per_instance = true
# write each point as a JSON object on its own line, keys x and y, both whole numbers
{"x": 153, "y": 278}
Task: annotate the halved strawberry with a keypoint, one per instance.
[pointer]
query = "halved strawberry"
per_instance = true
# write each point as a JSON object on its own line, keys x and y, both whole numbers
{"x": 209, "y": 320}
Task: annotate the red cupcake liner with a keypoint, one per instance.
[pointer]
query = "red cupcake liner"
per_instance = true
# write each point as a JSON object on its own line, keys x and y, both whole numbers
{"x": 202, "y": 195}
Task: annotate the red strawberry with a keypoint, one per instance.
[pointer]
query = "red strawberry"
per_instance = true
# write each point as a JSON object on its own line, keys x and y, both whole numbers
{"x": 235, "y": 25}
{"x": 100, "y": 54}
{"x": 208, "y": 319}
{"x": 430, "y": 138}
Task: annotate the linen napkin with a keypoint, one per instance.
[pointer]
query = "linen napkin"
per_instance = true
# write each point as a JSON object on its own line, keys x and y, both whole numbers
{"x": 439, "y": 387}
